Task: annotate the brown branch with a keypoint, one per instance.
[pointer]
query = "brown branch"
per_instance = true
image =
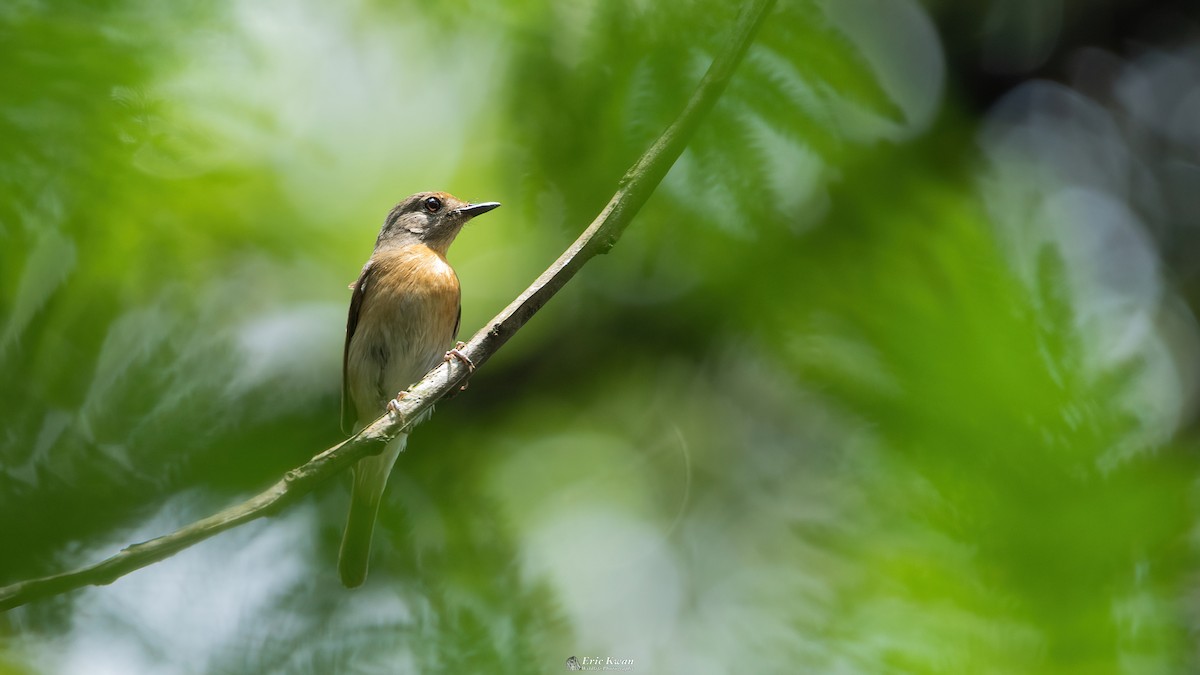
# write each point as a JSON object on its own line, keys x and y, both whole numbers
{"x": 635, "y": 188}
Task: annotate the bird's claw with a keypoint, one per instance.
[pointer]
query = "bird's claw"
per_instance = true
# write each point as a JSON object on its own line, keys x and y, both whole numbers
{"x": 393, "y": 406}
{"x": 457, "y": 353}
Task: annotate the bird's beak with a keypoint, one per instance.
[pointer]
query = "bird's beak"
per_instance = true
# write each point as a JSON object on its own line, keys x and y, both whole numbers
{"x": 472, "y": 210}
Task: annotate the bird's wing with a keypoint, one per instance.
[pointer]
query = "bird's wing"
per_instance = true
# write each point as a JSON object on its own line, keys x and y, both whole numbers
{"x": 359, "y": 288}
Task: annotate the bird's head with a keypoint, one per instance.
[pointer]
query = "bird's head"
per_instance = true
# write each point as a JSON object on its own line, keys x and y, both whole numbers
{"x": 431, "y": 218}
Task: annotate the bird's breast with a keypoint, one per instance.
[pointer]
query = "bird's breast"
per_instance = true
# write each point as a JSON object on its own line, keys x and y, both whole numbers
{"x": 414, "y": 274}
{"x": 407, "y": 320}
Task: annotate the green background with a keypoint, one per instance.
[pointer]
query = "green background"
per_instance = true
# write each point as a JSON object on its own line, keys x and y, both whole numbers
{"x": 890, "y": 375}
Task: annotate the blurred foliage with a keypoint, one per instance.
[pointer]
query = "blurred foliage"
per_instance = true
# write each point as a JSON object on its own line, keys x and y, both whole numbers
{"x": 811, "y": 414}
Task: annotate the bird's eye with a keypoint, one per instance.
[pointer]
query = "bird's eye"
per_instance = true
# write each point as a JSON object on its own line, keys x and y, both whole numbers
{"x": 432, "y": 204}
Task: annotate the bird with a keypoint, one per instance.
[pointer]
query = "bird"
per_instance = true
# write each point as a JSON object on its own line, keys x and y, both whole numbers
{"x": 405, "y": 310}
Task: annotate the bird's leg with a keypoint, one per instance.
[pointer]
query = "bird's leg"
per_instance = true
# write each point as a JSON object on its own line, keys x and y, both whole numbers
{"x": 457, "y": 353}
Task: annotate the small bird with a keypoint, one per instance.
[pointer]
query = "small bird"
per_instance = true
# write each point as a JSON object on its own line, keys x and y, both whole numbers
{"x": 404, "y": 314}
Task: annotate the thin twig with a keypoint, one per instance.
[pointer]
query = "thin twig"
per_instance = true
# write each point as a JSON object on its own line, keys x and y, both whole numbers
{"x": 635, "y": 188}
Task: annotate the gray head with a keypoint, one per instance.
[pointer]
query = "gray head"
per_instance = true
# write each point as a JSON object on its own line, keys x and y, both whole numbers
{"x": 430, "y": 218}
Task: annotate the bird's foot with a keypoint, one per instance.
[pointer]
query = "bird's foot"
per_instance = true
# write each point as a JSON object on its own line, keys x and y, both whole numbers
{"x": 393, "y": 406}
{"x": 457, "y": 353}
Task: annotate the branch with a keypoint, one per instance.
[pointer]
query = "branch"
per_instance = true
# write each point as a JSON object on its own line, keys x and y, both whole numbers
{"x": 635, "y": 188}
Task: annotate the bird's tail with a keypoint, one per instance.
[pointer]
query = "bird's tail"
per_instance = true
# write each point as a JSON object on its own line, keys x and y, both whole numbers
{"x": 370, "y": 478}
